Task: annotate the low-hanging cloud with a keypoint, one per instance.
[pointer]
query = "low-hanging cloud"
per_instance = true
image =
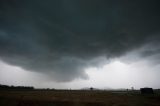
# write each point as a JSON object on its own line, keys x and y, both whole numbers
{"x": 63, "y": 37}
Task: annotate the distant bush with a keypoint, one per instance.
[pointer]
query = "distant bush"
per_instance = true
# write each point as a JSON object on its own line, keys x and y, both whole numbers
{"x": 146, "y": 91}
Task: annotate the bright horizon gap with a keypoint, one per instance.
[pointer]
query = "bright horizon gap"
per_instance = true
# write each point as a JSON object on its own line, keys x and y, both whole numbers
{"x": 113, "y": 75}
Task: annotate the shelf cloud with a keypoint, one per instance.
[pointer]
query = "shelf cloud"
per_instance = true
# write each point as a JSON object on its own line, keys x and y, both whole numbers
{"x": 61, "y": 38}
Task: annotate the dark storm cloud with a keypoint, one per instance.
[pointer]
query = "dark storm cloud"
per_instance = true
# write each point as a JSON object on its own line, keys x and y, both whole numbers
{"x": 63, "y": 37}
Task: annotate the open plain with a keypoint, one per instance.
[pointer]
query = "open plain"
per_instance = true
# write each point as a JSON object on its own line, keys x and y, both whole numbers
{"x": 76, "y": 98}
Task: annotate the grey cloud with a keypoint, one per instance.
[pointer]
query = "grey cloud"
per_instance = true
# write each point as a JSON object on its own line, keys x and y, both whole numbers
{"x": 63, "y": 37}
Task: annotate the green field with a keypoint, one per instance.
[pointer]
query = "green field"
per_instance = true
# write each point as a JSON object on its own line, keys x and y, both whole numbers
{"x": 76, "y": 98}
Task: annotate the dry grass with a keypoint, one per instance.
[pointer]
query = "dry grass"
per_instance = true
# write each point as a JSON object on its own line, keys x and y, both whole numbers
{"x": 76, "y": 98}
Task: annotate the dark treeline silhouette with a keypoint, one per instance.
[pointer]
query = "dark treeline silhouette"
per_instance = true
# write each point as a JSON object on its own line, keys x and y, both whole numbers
{"x": 6, "y": 87}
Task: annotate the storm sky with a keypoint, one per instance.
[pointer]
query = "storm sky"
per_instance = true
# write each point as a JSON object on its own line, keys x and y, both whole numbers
{"x": 80, "y": 43}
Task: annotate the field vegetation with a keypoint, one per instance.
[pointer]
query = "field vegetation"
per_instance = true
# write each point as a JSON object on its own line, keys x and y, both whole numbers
{"x": 76, "y": 98}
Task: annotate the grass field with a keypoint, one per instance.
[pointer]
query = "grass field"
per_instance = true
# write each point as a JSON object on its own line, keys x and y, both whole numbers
{"x": 76, "y": 98}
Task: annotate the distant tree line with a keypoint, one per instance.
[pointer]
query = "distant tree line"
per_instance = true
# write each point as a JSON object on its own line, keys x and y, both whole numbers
{"x": 6, "y": 87}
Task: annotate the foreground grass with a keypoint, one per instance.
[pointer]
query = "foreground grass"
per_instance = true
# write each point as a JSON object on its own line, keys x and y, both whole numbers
{"x": 76, "y": 98}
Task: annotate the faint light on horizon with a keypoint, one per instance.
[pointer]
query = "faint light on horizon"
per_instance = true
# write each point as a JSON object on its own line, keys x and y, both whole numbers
{"x": 118, "y": 74}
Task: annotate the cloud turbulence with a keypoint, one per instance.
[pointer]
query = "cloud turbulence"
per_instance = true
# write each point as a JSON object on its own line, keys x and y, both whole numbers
{"x": 61, "y": 38}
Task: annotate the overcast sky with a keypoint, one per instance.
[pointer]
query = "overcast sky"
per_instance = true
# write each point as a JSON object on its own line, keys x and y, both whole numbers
{"x": 80, "y": 43}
